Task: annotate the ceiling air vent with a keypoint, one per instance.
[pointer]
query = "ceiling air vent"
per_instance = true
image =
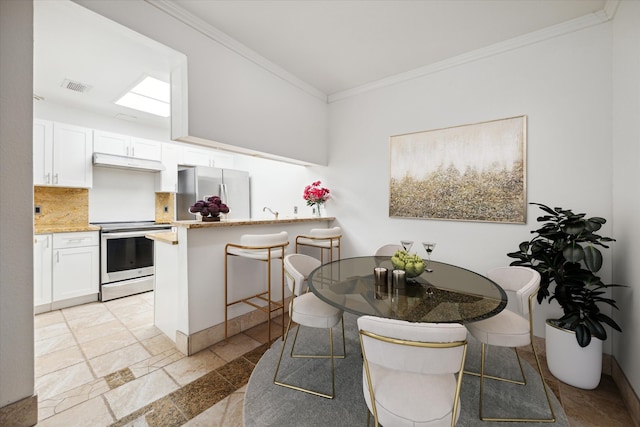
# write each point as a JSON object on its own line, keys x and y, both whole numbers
{"x": 76, "y": 86}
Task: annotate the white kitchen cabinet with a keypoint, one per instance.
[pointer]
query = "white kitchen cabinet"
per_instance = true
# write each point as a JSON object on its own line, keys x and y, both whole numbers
{"x": 75, "y": 265}
{"x": 167, "y": 180}
{"x": 125, "y": 145}
{"x": 146, "y": 149}
{"x": 72, "y": 153}
{"x": 111, "y": 143}
{"x": 194, "y": 156}
{"x": 42, "y": 279}
{"x": 66, "y": 269}
{"x": 42, "y": 152}
{"x": 75, "y": 272}
{"x": 62, "y": 154}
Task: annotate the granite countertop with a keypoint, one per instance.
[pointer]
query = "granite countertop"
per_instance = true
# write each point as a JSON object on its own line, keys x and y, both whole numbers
{"x": 167, "y": 237}
{"x": 66, "y": 228}
{"x": 237, "y": 222}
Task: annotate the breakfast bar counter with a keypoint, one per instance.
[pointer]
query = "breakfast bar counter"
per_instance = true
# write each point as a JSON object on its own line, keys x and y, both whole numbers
{"x": 252, "y": 222}
{"x": 189, "y": 277}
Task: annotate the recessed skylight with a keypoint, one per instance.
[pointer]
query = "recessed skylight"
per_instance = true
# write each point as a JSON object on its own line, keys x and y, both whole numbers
{"x": 150, "y": 95}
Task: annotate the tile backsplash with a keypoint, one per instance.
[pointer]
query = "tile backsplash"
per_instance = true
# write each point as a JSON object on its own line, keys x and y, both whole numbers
{"x": 165, "y": 203}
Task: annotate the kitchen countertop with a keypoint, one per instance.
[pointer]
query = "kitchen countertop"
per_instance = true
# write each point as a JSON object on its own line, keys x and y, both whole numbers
{"x": 167, "y": 237}
{"x": 46, "y": 229}
{"x": 236, "y": 222}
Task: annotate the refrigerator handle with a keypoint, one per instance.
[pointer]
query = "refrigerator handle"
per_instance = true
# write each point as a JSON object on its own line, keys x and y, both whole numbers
{"x": 223, "y": 193}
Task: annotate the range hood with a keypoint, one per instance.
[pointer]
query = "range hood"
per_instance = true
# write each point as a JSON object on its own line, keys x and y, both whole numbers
{"x": 123, "y": 162}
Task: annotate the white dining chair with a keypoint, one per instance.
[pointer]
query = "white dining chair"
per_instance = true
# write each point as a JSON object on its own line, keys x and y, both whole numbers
{"x": 306, "y": 309}
{"x": 388, "y": 250}
{"x": 410, "y": 369}
{"x": 510, "y": 329}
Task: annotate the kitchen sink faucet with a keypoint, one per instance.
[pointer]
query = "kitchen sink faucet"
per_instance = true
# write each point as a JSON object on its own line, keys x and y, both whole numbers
{"x": 267, "y": 209}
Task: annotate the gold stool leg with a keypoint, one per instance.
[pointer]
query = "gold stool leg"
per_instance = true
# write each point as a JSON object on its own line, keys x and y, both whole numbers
{"x": 226, "y": 297}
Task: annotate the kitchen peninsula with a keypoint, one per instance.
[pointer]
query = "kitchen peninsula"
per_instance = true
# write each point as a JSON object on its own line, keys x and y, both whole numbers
{"x": 189, "y": 277}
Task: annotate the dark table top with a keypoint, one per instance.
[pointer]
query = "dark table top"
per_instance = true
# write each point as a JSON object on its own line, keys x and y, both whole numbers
{"x": 448, "y": 294}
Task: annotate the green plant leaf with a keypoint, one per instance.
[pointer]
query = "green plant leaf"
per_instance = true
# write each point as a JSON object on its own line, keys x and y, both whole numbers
{"x": 575, "y": 228}
{"x": 596, "y": 328}
{"x": 583, "y": 335}
{"x": 592, "y": 258}
{"x": 609, "y": 321}
{"x": 573, "y": 253}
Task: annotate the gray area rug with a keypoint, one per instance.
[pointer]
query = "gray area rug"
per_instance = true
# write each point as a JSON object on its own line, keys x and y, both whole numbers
{"x": 267, "y": 404}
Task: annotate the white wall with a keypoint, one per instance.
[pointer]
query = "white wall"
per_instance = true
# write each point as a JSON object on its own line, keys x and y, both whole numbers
{"x": 563, "y": 85}
{"x": 16, "y": 202}
{"x": 279, "y": 186}
{"x": 231, "y": 100}
{"x": 626, "y": 175}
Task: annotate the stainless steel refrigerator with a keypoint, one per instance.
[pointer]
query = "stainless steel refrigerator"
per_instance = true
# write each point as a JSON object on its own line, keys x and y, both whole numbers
{"x": 199, "y": 182}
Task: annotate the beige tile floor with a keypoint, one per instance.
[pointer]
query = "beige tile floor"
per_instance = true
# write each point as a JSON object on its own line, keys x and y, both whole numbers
{"x": 103, "y": 364}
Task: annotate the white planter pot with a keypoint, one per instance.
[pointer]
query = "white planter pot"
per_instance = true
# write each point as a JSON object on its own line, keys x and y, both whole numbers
{"x": 577, "y": 366}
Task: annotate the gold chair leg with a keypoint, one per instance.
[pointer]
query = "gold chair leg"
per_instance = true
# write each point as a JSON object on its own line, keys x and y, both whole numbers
{"x": 544, "y": 386}
{"x": 330, "y": 356}
{"x": 282, "y": 349}
{"x": 523, "y": 381}
{"x": 319, "y": 356}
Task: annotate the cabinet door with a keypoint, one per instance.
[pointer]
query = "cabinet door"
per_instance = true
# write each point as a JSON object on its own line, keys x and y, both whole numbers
{"x": 193, "y": 156}
{"x": 42, "y": 152}
{"x": 111, "y": 143}
{"x": 72, "y": 153}
{"x": 145, "y": 149}
{"x": 167, "y": 180}
{"x": 75, "y": 272}
{"x": 42, "y": 251}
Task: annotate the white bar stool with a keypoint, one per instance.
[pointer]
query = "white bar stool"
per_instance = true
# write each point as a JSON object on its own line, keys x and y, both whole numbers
{"x": 265, "y": 248}
{"x": 323, "y": 238}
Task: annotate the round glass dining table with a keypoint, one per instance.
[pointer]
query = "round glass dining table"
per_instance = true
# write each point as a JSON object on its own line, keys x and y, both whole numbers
{"x": 446, "y": 294}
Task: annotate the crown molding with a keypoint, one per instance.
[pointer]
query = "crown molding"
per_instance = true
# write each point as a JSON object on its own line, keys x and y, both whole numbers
{"x": 573, "y": 25}
{"x": 218, "y": 36}
{"x": 610, "y": 8}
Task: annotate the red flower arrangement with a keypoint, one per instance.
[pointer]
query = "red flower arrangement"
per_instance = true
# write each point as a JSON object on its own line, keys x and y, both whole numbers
{"x": 315, "y": 195}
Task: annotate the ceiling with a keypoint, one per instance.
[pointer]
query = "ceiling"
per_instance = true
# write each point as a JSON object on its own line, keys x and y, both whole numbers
{"x": 331, "y": 45}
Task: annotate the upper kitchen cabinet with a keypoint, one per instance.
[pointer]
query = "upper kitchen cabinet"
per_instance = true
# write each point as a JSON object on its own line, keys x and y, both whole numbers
{"x": 62, "y": 154}
{"x": 111, "y": 143}
{"x": 42, "y": 152}
{"x": 146, "y": 149}
{"x": 194, "y": 156}
{"x": 167, "y": 180}
{"x": 125, "y": 145}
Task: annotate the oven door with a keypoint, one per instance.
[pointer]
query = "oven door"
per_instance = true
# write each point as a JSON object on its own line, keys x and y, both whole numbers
{"x": 125, "y": 255}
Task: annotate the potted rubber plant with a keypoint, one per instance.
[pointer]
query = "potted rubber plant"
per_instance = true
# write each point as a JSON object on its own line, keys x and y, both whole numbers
{"x": 566, "y": 251}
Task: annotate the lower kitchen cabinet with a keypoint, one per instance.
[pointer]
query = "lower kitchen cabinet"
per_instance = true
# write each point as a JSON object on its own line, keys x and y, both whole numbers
{"x": 42, "y": 279}
{"x": 67, "y": 274}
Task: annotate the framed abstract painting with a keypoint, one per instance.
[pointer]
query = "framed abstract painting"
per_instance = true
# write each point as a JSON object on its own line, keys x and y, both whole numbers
{"x": 474, "y": 172}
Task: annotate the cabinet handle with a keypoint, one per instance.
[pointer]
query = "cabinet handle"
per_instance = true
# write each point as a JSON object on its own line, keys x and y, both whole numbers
{"x": 55, "y": 178}
{"x": 78, "y": 239}
{"x": 47, "y": 239}
{"x": 133, "y": 151}
{"x": 47, "y": 178}
{"x": 58, "y": 256}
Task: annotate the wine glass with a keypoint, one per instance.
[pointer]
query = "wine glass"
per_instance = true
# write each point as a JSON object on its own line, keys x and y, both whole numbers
{"x": 406, "y": 244}
{"x": 429, "y": 247}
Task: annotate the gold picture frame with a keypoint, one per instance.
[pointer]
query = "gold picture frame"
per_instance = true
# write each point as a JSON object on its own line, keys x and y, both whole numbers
{"x": 473, "y": 172}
